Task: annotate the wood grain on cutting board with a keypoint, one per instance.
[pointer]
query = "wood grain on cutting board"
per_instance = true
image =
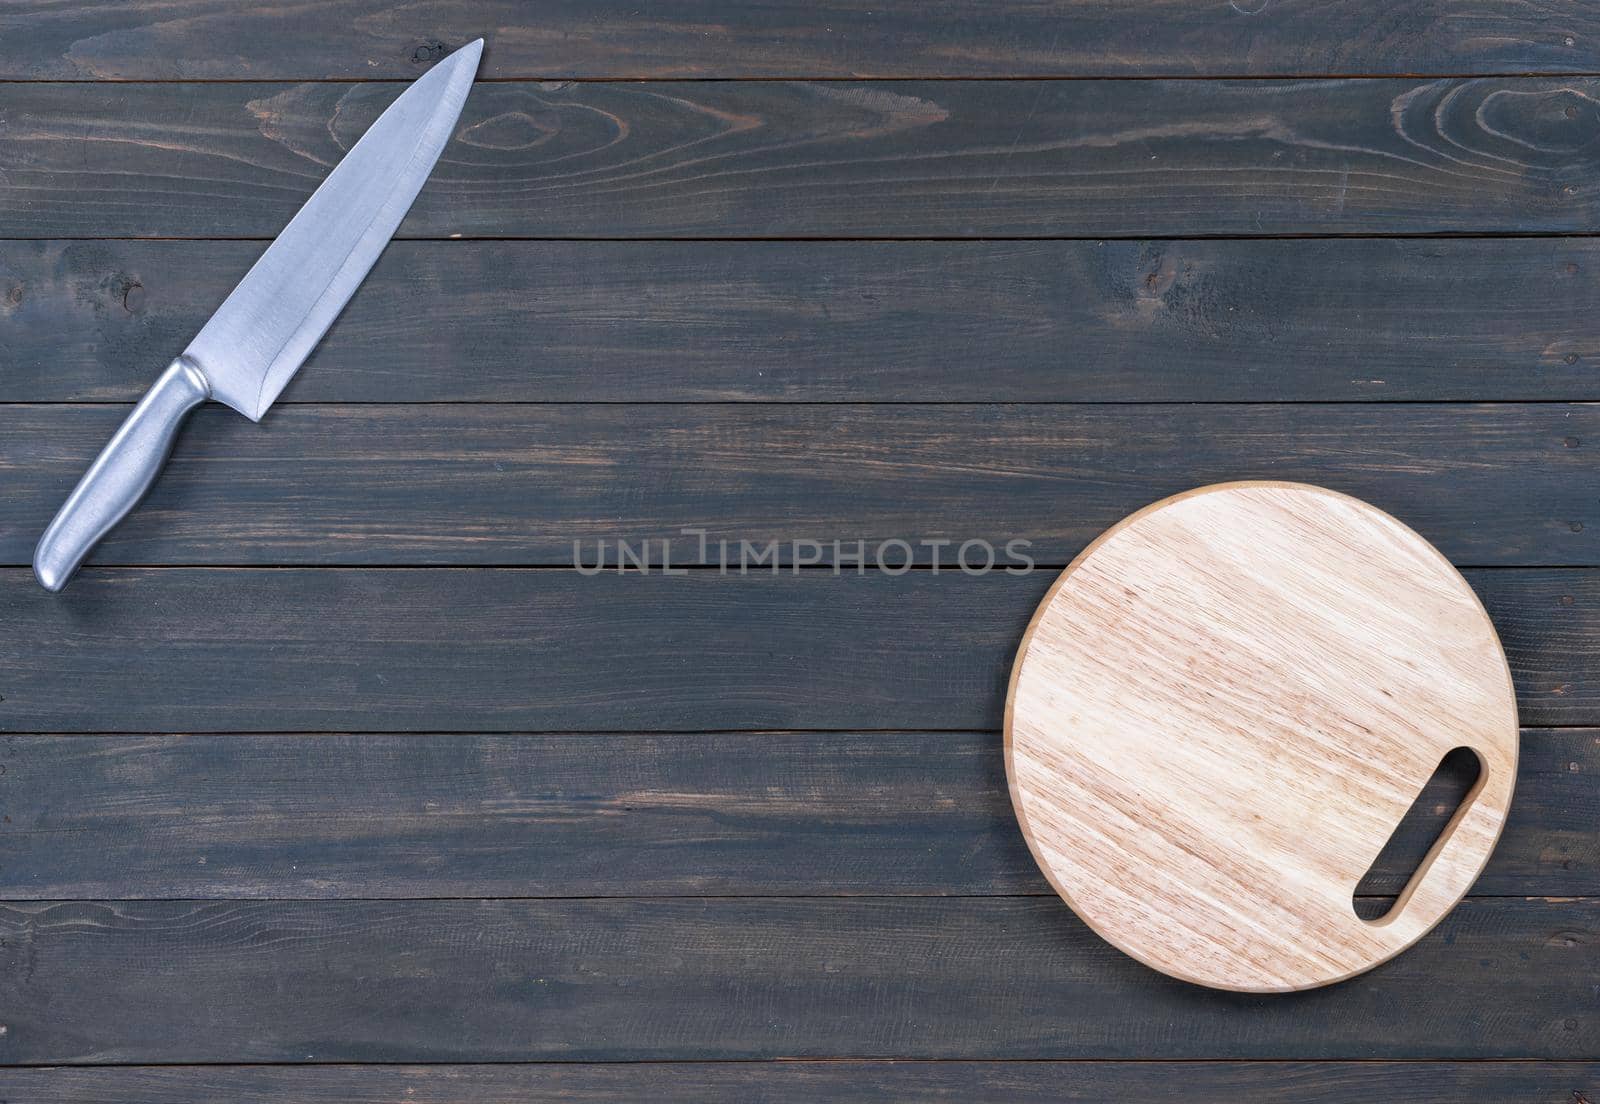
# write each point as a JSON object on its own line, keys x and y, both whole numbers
{"x": 1223, "y": 709}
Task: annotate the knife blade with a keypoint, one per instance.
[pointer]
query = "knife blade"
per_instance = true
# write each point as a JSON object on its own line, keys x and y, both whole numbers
{"x": 247, "y": 352}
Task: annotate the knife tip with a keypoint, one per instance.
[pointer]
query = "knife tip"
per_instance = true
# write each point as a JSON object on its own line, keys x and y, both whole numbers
{"x": 465, "y": 59}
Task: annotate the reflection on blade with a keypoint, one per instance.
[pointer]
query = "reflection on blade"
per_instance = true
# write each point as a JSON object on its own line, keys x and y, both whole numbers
{"x": 266, "y": 328}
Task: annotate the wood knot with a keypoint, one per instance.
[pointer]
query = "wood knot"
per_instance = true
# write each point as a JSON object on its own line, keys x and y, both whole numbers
{"x": 1155, "y": 283}
{"x": 427, "y": 53}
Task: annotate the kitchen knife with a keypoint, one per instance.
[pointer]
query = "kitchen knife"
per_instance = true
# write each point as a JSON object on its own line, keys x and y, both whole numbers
{"x": 248, "y": 351}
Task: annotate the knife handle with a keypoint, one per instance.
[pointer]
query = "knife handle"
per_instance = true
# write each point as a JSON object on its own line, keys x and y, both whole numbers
{"x": 121, "y": 474}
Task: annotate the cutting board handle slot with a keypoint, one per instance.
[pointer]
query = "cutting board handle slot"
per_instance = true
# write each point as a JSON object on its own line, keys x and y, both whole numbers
{"x": 1421, "y": 835}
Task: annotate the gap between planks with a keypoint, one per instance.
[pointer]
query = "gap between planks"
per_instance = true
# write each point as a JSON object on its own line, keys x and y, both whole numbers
{"x": 865, "y": 239}
{"x": 656, "y": 569}
{"x": 867, "y": 78}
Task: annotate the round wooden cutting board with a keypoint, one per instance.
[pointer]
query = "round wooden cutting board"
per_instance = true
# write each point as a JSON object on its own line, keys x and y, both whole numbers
{"x": 1221, "y": 711}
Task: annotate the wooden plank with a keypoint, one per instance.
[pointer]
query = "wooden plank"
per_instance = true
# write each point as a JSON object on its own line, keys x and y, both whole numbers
{"x": 445, "y": 981}
{"x": 956, "y": 159}
{"x": 365, "y": 39}
{"x": 1063, "y": 321}
{"x": 1492, "y": 485}
{"x": 801, "y": 1081}
{"x": 308, "y": 649}
{"x": 452, "y": 815}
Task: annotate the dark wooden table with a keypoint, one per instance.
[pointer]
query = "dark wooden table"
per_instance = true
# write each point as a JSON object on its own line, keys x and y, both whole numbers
{"x": 331, "y": 780}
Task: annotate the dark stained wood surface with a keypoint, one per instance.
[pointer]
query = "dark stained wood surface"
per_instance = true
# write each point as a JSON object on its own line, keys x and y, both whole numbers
{"x": 903, "y": 159}
{"x": 1491, "y": 485}
{"x": 579, "y": 815}
{"x": 744, "y": 978}
{"x": 1097, "y": 321}
{"x": 610, "y": 833}
{"x": 508, "y": 650}
{"x": 1093, "y": 1082}
{"x": 365, "y": 39}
